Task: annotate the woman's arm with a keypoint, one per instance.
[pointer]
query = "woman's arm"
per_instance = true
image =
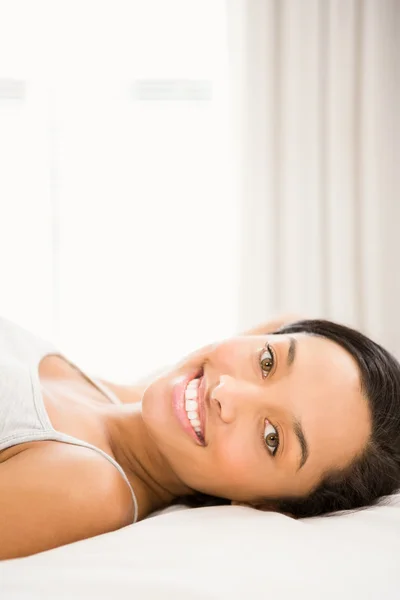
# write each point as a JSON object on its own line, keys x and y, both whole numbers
{"x": 54, "y": 496}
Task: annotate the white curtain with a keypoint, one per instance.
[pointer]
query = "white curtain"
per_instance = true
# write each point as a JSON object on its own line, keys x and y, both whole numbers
{"x": 316, "y": 97}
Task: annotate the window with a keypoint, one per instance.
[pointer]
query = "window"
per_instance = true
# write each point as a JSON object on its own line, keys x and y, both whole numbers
{"x": 119, "y": 227}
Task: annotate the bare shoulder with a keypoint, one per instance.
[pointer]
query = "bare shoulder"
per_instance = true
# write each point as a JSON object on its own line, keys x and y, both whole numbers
{"x": 54, "y": 494}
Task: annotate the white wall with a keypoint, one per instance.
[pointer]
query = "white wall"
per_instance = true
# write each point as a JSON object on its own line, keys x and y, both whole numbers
{"x": 118, "y": 222}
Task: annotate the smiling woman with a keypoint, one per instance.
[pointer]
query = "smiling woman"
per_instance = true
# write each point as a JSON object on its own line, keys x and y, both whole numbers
{"x": 302, "y": 419}
{"x": 335, "y": 397}
{"x": 307, "y": 404}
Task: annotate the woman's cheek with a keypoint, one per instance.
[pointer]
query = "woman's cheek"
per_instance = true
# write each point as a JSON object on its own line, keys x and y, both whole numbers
{"x": 236, "y": 463}
{"x": 222, "y": 471}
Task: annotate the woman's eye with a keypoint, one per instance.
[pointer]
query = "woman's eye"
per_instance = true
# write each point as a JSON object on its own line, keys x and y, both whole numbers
{"x": 266, "y": 361}
{"x": 271, "y": 437}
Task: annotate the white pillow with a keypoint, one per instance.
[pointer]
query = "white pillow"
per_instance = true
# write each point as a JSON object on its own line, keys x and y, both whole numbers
{"x": 219, "y": 552}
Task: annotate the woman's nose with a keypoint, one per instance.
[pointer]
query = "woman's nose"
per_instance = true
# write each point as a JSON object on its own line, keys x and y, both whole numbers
{"x": 230, "y": 397}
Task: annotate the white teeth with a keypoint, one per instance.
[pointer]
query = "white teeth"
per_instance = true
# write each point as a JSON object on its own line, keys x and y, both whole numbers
{"x": 191, "y": 405}
{"x": 191, "y": 393}
{"x": 194, "y": 382}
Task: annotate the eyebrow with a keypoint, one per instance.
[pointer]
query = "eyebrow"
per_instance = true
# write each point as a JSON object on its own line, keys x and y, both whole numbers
{"x": 297, "y": 428}
{"x": 291, "y": 355}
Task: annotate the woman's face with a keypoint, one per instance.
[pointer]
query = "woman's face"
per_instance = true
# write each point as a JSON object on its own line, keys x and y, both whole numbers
{"x": 281, "y": 411}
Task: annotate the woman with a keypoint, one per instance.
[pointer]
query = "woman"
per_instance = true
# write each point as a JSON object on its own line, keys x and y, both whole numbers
{"x": 300, "y": 417}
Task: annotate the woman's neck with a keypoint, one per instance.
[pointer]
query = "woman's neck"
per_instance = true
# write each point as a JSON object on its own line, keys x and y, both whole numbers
{"x": 153, "y": 481}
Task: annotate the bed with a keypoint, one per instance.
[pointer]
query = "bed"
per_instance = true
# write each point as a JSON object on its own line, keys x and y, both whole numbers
{"x": 230, "y": 552}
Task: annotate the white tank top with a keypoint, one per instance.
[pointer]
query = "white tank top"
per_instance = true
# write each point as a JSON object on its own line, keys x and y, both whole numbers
{"x": 23, "y": 415}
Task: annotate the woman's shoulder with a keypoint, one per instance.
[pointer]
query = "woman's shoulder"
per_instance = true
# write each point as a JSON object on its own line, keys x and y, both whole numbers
{"x": 54, "y": 494}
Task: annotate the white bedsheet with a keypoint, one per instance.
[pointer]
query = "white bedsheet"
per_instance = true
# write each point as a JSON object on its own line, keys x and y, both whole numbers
{"x": 221, "y": 552}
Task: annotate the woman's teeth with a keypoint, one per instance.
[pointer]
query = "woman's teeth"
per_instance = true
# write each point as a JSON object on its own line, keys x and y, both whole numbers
{"x": 191, "y": 404}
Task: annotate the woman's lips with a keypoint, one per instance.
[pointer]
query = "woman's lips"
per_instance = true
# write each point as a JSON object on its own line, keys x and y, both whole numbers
{"x": 201, "y": 392}
{"x": 178, "y": 405}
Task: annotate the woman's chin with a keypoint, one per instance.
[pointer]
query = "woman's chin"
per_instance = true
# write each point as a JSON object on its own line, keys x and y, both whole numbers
{"x": 150, "y": 399}
{"x": 156, "y": 412}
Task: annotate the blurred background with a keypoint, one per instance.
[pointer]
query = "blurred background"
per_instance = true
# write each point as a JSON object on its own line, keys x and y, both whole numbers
{"x": 173, "y": 172}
